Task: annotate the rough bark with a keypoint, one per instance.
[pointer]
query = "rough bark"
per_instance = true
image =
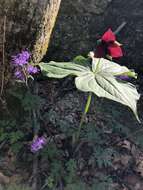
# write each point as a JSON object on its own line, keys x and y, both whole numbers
{"x": 29, "y": 24}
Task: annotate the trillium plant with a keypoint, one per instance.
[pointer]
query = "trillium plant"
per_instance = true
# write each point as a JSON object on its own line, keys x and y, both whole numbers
{"x": 101, "y": 77}
{"x": 97, "y": 75}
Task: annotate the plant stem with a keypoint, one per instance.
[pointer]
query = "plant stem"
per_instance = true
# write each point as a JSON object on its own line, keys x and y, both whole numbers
{"x": 35, "y": 158}
{"x": 36, "y": 127}
{"x": 84, "y": 114}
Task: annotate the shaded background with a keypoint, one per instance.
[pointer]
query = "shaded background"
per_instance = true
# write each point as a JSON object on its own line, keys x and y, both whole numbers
{"x": 80, "y": 23}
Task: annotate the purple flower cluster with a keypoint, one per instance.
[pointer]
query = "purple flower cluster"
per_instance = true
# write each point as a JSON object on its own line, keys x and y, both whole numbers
{"x": 21, "y": 58}
{"x": 22, "y": 66}
{"x": 38, "y": 144}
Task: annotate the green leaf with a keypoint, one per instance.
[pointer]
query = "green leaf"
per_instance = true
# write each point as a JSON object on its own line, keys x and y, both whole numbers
{"x": 103, "y": 83}
{"x": 106, "y": 67}
{"x": 82, "y": 60}
{"x": 71, "y": 171}
{"x": 15, "y": 136}
{"x": 62, "y": 69}
{"x": 100, "y": 79}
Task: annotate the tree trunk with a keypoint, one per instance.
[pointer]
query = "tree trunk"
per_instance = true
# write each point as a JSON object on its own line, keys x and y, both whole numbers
{"x": 29, "y": 24}
{"x": 25, "y": 24}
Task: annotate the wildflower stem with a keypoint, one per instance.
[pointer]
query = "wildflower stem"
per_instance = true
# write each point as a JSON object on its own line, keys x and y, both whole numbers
{"x": 84, "y": 114}
{"x": 35, "y": 130}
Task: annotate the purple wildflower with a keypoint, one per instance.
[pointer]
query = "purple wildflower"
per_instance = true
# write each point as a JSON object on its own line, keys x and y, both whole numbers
{"x": 31, "y": 69}
{"x": 26, "y": 54}
{"x": 22, "y": 67}
{"x": 123, "y": 77}
{"x": 19, "y": 75}
{"x": 21, "y": 58}
{"x": 38, "y": 144}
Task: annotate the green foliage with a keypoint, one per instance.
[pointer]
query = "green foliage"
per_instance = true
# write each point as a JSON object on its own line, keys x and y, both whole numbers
{"x": 17, "y": 187}
{"x": 64, "y": 169}
{"x": 71, "y": 171}
{"x": 56, "y": 167}
{"x": 57, "y": 170}
{"x": 5, "y": 127}
{"x": 18, "y": 124}
{"x": 28, "y": 101}
{"x": 31, "y": 101}
{"x": 13, "y": 136}
{"x": 93, "y": 134}
{"x": 82, "y": 60}
{"x": 62, "y": 124}
{"x": 103, "y": 156}
{"x": 49, "y": 182}
{"x": 102, "y": 183}
{"x": 76, "y": 186}
{"x": 10, "y": 133}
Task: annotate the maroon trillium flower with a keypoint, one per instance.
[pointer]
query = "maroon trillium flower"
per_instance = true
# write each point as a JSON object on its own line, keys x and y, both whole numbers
{"x": 108, "y": 46}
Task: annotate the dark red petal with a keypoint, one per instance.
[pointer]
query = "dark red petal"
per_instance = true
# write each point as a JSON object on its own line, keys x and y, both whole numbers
{"x": 108, "y": 36}
{"x": 100, "y": 51}
{"x": 115, "y": 51}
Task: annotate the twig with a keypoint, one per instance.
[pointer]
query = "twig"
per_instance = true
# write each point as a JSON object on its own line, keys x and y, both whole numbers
{"x": 3, "y": 56}
{"x": 120, "y": 27}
